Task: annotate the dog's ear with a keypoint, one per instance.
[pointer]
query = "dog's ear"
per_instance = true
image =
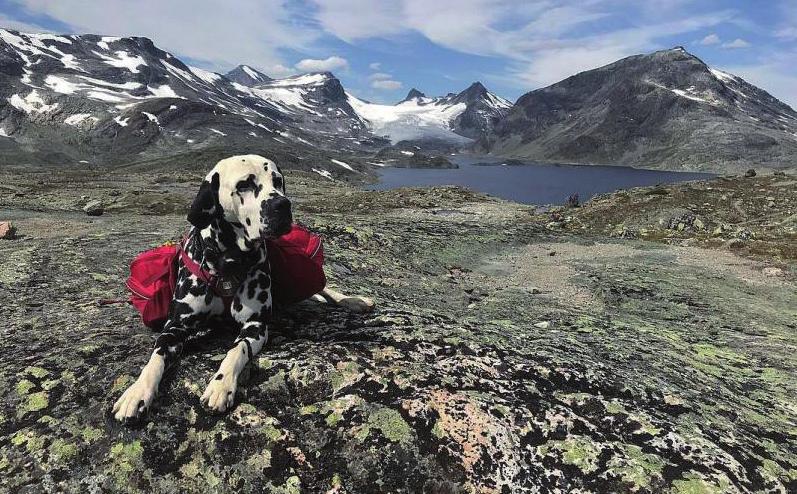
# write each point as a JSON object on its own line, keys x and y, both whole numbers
{"x": 284, "y": 189}
{"x": 206, "y": 203}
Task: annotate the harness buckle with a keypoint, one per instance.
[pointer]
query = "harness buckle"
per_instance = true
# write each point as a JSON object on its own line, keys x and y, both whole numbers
{"x": 226, "y": 286}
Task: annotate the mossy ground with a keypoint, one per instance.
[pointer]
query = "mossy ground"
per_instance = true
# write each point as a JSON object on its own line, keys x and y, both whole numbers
{"x": 504, "y": 355}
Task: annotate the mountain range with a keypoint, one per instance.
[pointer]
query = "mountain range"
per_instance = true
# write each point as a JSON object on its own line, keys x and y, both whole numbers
{"x": 665, "y": 109}
{"x": 100, "y": 100}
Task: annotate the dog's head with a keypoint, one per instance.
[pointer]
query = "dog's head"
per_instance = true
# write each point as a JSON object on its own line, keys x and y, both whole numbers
{"x": 247, "y": 193}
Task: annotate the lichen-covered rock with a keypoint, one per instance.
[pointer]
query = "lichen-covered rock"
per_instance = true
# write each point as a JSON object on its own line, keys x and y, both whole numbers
{"x": 7, "y": 230}
{"x": 93, "y": 208}
{"x": 662, "y": 368}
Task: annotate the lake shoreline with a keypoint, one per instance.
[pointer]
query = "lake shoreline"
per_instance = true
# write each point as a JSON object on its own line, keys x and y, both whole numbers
{"x": 532, "y": 183}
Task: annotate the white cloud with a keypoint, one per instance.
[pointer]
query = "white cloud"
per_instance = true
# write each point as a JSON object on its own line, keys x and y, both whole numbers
{"x": 279, "y": 70}
{"x": 375, "y": 66}
{"x": 542, "y": 41}
{"x": 325, "y": 65}
{"x": 553, "y": 60}
{"x": 204, "y": 30}
{"x": 787, "y": 33}
{"x": 356, "y": 19}
{"x": 787, "y": 29}
{"x": 711, "y": 39}
{"x": 379, "y": 75}
{"x": 387, "y": 84}
{"x": 737, "y": 43}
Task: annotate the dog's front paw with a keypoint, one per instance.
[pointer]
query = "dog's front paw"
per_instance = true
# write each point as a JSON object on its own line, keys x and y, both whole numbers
{"x": 220, "y": 393}
{"x": 134, "y": 402}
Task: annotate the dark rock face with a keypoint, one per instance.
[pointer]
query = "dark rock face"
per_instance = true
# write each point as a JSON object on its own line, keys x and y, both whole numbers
{"x": 246, "y": 75}
{"x": 490, "y": 365}
{"x": 664, "y": 110}
{"x": 414, "y": 93}
{"x": 483, "y": 111}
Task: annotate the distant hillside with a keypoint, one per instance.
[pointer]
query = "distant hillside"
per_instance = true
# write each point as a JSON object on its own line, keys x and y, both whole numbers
{"x": 664, "y": 110}
{"x": 100, "y": 100}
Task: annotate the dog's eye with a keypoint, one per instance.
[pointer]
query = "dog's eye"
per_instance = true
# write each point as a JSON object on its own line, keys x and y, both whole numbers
{"x": 278, "y": 182}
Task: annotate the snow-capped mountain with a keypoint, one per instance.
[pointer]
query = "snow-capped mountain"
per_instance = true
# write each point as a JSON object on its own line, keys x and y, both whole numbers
{"x": 666, "y": 109}
{"x": 318, "y": 99}
{"x": 455, "y": 118}
{"x": 247, "y": 76}
{"x": 99, "y": 99}
{"x": 70, "y": 99}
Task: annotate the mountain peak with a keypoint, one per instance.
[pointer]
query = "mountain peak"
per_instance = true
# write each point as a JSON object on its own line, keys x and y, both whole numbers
{"x": 477, "y": 86}
{"x": 414, "y": 93}
{"x": 475, "y": 90}
{"x": 247, "y": 76}
{"x": 676, "y": 52}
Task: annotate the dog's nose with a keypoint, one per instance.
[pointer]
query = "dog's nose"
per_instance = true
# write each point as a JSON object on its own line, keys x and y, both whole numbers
{"x": 281, "y": 205}
{"x": 278, "y": 207}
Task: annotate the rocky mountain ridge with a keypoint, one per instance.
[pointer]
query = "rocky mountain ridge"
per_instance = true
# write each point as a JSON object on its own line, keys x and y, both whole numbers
{"x": 101, "y": 100}
{"x": 667, "y": 109}
{"x": 88, "y": 99}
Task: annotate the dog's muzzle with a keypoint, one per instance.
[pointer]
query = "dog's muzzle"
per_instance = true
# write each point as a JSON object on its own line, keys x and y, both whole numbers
{"x": 277, "y": 212}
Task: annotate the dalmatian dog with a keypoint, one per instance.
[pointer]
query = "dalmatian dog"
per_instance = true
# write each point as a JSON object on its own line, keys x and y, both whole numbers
{"x": 240, "y": 203}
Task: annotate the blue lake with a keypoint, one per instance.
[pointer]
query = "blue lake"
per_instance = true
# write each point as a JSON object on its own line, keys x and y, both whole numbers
{"x": 531, "y": 183}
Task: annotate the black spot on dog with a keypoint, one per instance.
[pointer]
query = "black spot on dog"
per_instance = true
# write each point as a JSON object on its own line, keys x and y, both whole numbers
{"x": 251, "y": 288}
{"x": 248, "y": 184}
{"x": 277, "y": 181}
{"x": 206, "y": 203}
{"x": 248, "y": 222}
{"x": 219, "y": 376}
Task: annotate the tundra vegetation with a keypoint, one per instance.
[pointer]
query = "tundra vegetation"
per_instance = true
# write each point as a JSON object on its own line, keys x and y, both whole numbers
{"x": 642, "y": 342}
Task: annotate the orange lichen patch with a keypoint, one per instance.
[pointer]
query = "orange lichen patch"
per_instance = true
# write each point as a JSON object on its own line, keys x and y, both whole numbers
{"x": 298, "y": 455}
{"x": 467, "y": 432}
{"x": 473, "y": 366}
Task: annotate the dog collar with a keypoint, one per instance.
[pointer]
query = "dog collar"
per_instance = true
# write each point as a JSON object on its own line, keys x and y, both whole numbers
{"x": 225, "y": 285}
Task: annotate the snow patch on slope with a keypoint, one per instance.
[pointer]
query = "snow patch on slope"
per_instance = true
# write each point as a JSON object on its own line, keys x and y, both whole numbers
{"x": 32, "y": 103}
{"x": 79, "y": 118}
{"x": 124, "y": 60}
{"x": 413, "y": 119}
{"x": 343, "y": 164}
{"x": 205, "y": 75}
{"x": 323, "y": 173}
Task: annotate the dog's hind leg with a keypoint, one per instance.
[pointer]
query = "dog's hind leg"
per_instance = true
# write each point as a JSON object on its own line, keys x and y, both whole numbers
{"x": 352, "y": 303}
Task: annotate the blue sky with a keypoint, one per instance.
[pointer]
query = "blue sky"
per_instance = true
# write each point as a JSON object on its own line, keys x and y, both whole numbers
{"x": 382, "y": 48}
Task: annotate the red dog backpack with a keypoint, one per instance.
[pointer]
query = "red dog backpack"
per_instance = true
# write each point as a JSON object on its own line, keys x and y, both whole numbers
{"x": 297, "y": 273}
{"x": 153, "y": 276}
